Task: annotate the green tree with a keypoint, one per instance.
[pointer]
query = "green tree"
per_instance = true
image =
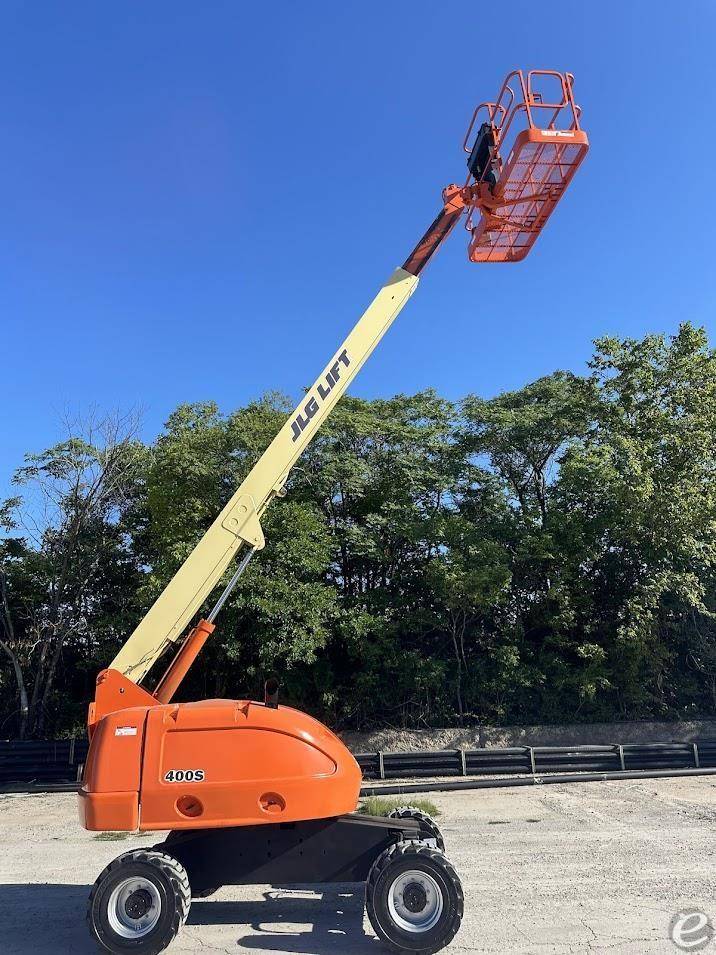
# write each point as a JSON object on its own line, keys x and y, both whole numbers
{"x": 640, "y": 495}
{"x": 66, "y": 573}
{"x": 522, "y": 437}
{"x": 385, "y": 473}
{"x": 546, "y": 554}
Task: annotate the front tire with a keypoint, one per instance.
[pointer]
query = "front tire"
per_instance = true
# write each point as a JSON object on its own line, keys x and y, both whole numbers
{"x": 139, "y": 903}
{"x": 414, "y": 898}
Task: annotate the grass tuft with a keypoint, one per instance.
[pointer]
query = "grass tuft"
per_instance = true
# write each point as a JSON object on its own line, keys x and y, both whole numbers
{"x": 381, "y": 806}
{"x": 110, "y": 836}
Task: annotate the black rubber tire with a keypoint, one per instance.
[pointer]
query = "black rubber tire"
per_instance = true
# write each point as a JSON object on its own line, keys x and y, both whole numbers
{"x": 401, "y": 857}
{"x": 427, "y": 823}
{"x": 172, "y": 884}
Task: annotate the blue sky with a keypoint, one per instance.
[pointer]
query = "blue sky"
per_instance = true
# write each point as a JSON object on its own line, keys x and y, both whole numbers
{"x": 198, "y": 200}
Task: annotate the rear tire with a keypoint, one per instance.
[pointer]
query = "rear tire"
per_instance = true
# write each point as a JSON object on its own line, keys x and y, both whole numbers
{"x": 427, "y": 823}
{"x": 414, "y": 898}
{"x": 139, "y": 903}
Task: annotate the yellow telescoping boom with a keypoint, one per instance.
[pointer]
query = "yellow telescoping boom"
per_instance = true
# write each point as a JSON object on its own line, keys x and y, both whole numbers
{"x": 239, "y": 524}
{"x": 507, "y": 202}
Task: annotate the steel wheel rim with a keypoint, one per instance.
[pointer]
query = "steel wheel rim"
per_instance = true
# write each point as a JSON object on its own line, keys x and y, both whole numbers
{"x": 402, "y": 910}
{"x": 122, "y": 921}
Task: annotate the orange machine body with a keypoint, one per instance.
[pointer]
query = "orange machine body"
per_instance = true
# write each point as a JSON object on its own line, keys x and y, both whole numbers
{"x": 209, "y": 764}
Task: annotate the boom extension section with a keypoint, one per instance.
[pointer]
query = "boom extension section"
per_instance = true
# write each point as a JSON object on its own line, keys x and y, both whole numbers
{"x": 507, "y": 202}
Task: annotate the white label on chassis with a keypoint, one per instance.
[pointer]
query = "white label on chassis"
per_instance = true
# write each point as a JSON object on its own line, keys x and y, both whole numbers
{"x": 185, "y": 776}
{"x": 126, "y": 731}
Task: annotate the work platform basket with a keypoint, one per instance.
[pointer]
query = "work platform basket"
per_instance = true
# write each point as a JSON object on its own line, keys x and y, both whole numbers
{"x": 534, "y": 123}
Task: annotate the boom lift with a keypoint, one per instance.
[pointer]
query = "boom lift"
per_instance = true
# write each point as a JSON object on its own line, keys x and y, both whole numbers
{"x": 261, "y": 793}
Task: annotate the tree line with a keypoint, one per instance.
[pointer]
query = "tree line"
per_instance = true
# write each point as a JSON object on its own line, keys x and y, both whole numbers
{"x": 544, "y": 555}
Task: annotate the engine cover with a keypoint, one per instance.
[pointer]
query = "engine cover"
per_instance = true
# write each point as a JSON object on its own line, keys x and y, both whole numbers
{"x": 213, "y": 763}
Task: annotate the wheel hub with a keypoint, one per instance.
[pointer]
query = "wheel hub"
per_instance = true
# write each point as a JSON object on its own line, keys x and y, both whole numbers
{"x": 138, "y": 904}
{"x": 415, "y": 901}
{"x": 134, "y": 908}
{"x": 415, "y": 898}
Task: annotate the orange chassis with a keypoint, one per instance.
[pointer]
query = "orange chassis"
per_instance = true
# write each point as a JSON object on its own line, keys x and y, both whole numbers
{"x": 214, "y": 763}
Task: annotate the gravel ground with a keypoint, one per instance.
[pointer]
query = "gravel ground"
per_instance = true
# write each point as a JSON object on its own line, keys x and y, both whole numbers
{"x": 590, "y": 867}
